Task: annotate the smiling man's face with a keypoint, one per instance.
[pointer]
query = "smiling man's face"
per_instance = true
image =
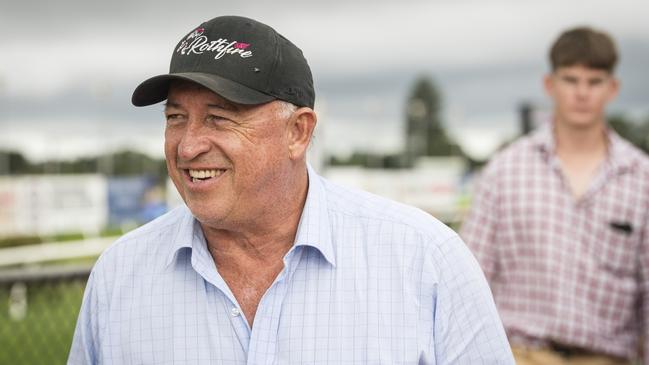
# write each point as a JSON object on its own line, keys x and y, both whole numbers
{"x": 229, "y": 162}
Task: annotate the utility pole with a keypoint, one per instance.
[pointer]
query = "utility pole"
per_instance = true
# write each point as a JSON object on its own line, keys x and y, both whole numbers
{"x": 525, "y": 111}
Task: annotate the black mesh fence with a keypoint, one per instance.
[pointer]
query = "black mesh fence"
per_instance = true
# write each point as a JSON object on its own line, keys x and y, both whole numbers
{"x": 38, "y": 313}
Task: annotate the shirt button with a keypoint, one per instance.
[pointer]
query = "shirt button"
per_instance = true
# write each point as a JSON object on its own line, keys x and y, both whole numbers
{"x": 234, "y": 312}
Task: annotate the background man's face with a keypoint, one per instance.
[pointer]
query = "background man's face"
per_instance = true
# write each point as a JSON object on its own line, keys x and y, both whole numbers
{"x": 580, "y": 94}
{"x": 229, "y": 162}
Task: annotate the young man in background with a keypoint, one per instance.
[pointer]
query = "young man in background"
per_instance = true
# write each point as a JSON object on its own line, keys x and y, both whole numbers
{"x": 560, "y": 222}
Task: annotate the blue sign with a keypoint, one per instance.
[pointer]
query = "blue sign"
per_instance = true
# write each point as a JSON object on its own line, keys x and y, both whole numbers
{"x": 134, "y": 200}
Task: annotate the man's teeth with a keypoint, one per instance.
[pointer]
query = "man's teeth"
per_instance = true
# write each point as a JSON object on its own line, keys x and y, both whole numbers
{"x": 204, "y": 174}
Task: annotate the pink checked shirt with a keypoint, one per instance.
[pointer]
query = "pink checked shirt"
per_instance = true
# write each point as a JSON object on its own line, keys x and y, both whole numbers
{"x": 575, "y": 272}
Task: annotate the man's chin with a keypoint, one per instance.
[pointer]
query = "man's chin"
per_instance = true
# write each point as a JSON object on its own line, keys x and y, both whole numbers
{"x": 205, "y": 210}
{"x": 582, "y": 121}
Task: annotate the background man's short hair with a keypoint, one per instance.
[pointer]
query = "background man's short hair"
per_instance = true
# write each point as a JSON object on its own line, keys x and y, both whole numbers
{"x": 584, "y": 46}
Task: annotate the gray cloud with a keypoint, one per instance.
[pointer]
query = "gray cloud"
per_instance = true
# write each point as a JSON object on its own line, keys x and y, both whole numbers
{"x": 78, "y": 60}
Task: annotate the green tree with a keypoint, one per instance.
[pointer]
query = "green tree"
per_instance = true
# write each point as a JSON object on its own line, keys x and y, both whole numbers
{"x": 636, "y": 133}
{"x": 113, "y": 164}
{"x": 425, "y": 133}
{"x": 12, "y": 162}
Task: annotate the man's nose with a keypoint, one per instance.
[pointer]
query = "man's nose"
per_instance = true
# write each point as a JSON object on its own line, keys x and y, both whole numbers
{"x": 583, "y": 89}
{"x": 194, "y": 141}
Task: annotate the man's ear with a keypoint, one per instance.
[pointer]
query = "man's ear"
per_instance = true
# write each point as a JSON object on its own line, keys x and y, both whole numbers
{"x": 548, "y": 84}
{"x": 300, "y": 130}
{"x": 614, "y": 88}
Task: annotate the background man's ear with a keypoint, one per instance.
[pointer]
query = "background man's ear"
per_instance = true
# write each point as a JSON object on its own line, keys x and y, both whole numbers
{"x": 548, "y": 84}
{"x": 615, "y": 88}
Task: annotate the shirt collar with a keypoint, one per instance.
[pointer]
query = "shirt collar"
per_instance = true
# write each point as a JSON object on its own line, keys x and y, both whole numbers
{"x": 543, "y": 139}
{"x": 619, "y": 156}
{"x": 187, "y": 229}
{"x": 313, "y": 229}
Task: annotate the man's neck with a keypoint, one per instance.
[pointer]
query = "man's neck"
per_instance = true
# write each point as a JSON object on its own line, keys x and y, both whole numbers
{"x": 580, "y": 141}
{"x": 266, "y": 234}
{"x": 250, "y": 257}
{"x": 581, "y": 151}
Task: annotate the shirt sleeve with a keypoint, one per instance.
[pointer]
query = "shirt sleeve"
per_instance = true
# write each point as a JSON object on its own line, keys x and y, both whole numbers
{"x": 480, "y": 225}
{"x": 644, "y": 290}
{"x": 86, "y": 335}
{"x": 467, "y": 327}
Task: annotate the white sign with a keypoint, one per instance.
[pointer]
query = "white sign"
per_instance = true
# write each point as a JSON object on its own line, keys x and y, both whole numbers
{"x": 51, "y": 204}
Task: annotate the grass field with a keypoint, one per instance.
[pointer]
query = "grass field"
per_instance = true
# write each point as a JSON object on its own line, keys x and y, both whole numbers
{"x": 44, "y": 334}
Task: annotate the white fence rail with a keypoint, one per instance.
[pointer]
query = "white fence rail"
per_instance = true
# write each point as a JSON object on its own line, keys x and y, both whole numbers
{"x": 55, "y": 251}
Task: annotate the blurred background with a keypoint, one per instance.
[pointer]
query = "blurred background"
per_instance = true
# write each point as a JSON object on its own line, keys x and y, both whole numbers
{"x": 412, "y": 96}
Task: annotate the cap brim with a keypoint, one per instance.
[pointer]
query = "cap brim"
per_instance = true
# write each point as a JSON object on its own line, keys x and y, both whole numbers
{"x": 155, "y": 89}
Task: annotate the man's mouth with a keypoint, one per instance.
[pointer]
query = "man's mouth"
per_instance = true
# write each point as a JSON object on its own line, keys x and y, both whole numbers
{"x": 203, "y": 175}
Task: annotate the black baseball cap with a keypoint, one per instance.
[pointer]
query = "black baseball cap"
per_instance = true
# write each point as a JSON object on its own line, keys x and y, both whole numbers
{"x": 240, "y": 59}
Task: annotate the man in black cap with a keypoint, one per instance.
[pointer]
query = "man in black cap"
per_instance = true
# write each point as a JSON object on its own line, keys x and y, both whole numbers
{"x": 268, "y": 263}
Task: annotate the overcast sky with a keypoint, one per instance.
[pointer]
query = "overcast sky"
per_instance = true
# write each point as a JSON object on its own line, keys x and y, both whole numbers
{"x": 67, "y": 68}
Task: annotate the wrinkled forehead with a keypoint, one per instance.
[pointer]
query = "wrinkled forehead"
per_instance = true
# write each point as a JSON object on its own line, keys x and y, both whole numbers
{"x": 177, "y": 88}
{"x": 183, "y": 93}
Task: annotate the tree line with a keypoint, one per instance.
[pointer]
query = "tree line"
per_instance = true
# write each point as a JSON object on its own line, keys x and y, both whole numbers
{"x": 120, "y": 163}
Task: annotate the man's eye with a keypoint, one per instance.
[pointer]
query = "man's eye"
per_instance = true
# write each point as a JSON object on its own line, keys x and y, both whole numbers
{"x": 215, "y": 118}
{"x": 174, "y": 118}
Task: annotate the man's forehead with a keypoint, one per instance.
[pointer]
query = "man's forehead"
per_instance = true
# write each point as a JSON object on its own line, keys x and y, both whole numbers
{"x": 178, "y": 88}
{"x": 582, "y": 70}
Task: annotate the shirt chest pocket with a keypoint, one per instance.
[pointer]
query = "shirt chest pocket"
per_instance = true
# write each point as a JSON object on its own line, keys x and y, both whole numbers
{"x": 616, "y": 246}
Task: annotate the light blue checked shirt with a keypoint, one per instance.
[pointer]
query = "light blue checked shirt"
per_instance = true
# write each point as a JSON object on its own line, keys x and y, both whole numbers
{"x": 368, "y": 281}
